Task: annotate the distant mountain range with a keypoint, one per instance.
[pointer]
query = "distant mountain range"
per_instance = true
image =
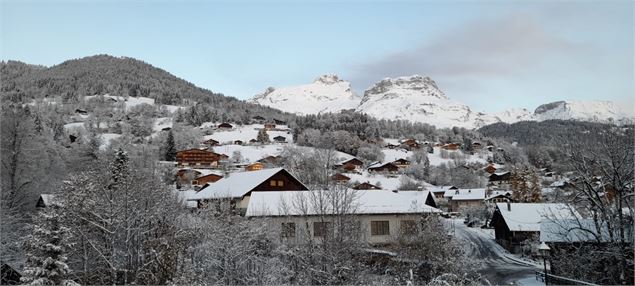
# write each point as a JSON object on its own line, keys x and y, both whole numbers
{"x": 417, "y": 98}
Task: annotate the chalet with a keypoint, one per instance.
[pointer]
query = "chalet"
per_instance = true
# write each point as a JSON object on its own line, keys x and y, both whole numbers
{"x": 280, "y": 139}
{"x": 199, "y": 158}
{"x": 81, "y": 111}
{"x": 340, "y": 178}
{"x": 383, "y": 168}
{"x": 210, "y": 178}
{"x": 279, "y": 122}
{"x": 254, "y": 167}
{"x": 490, "y": 148}
{"x": 271, "y": 160}
{"x": 410, "y": 144}
{"x": 401, "y": 163}
{"x": 225, "y": 125}
{"x": 383, "y": 216}
{"x": 238, "y": 142}
{"x": 519, "y": 223}
{"x": 490, "y": 169}
{"x": 48, "y": 200}
{"x": 494, "y": 197}
{"x": 8, "y": 275}
{"x": 451, "y": 146}
{"x": 477, "y": 145}
{"x": 185, "y": 176}
{"x": 499, "y": 180}
{"x": 238, "y": 187}
{"x": 350, "y": 165}
{"x": 392, "y": 146}
{"x": 467, "y": 198}
{"x": 211, "y": 142}
{"x": 366, "y": 186}
{"x": 252, "y": 141}
{"x": 439, "y": 192}
{"x": 166, "y": 128}
{"x": 270, "y": 126}
{"x": 258, "y": 119}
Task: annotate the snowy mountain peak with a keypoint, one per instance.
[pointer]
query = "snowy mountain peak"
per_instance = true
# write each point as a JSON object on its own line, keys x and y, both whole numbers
{"x": 584, "y": 110}
{"x": 328, "y": 79}
{"x": 416, "y": 85}
{"x": 327, "y": 93}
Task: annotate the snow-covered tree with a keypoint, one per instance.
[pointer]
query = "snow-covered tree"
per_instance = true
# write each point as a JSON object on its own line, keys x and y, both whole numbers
{"x": 170, "y": 147}
{"x": 46, "y": 248}
{"x": 263, "y": 137}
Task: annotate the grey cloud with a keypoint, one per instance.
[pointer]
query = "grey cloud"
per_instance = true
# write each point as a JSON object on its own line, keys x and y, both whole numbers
{"x": 479, "y": 48}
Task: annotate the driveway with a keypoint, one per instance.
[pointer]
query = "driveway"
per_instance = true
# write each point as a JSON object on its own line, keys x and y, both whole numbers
{"x": 498, "y": 265}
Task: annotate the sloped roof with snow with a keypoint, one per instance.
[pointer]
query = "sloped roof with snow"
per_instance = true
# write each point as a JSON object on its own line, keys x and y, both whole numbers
{"x": 235, "y": 185}
{"x": 572, "y": 230}
{"x": 469, "y": 195}
{"x": 297, "y": 203}
{"x": 527, "y": 216}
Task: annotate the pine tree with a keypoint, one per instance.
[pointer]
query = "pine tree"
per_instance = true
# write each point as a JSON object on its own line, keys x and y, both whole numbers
{"x": 170, "y": 148}
{"x": 119, "y": 168}
{"x": 263, "y": 137}
{"x": 46, "y": 251}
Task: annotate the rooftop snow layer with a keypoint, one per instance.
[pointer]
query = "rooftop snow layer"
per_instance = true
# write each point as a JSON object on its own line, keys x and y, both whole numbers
{"x": 367, "y": 202}
{"x": 527, "y": 216}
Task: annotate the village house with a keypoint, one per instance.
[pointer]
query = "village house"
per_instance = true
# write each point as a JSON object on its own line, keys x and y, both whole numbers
{"x": 350, "y": 165}
{"x": 401, "y": 163}
{"x": 270, "y": 126}
{"x": 258, "y": 119}
{"x": 518, "y": 224}
{"x": 340, "y": 178}
{"x": 366, "y": 186}
{"x": 280, "y": 139}
{"x": 271, "y": 160}
{"x": 490, "y": 148}
{"x": 211, "y": 142}
{"x": 225, "y": 125}
{"x": 499, "y": 180}
{"x": 439, "y": 192}
{"x": 257, "y": 166}
{"x": 490, "y": 169}
{"x": 238, "y": 142}
{"x": 383, "y": 168}
{"x": 477, "y": 145}
{"x": 238, "y": 187}
{"x": 410, "y": 144}
{"x": 279, "y": 122}
{"x": 391, "y": 146}
{"x": 199, "y": 158}
{"x": 384, "y": 216}
{"x": 494, "y": 197}
{"x": 209, "y": 178}
{"x": 451, "y": 146}
{"x": 467, "y": 198}
{"x": 47, "y": 200}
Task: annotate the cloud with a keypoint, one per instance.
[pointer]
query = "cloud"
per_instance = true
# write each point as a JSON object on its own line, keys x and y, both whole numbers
{"x": 484, "y": 48}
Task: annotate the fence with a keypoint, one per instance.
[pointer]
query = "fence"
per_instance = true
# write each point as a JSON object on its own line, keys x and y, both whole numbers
{"x": 559, "y": 280}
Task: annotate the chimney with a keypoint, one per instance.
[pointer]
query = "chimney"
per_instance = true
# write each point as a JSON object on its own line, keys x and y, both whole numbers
{"x": 509, "y": 206}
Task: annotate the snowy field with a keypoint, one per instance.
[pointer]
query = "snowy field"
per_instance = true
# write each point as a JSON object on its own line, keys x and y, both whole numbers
{"x": 244, "y": 133}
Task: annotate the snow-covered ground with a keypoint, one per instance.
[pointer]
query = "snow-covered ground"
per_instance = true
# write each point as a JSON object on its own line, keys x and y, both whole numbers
{"x": 244, "y": 133}
{"x": 435, "y": 158}
{"x": 386, "y": 183}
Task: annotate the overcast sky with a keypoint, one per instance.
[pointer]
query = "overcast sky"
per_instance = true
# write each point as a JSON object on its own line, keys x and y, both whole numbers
{"x": 490, "y": 55}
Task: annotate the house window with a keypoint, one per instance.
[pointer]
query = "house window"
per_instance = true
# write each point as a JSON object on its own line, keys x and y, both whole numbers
{"x": 408, "y": 227}
{"x": 288, "y": 229}
{"x": 379, "y": 227}
{"x": 195, "y": 182}
{"x": 272, "y": 183}
{"x": 280, "y": 183}
{"x": 320, "y": 228}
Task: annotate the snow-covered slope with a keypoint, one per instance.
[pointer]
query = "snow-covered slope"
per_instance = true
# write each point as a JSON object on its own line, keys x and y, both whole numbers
{"x": 418, "y": 98}
{"x": 327, "y": 93}
{"x": 584, "y": 110}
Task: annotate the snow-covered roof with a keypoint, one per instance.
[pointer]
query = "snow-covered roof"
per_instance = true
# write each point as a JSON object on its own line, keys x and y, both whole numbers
{"x": 571, "y": 230}
{"x": 235, "y": 185}
{"x": 296, "y": 203}
{"x": 468, "y": 195}
{"x": 439, "y": 189}
{"x": 50, "y": 200}
{"x": 494, "y": 194}
{"x": 527, "y": 216}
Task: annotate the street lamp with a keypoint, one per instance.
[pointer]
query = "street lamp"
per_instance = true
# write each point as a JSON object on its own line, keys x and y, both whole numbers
{"x": 544, "y": 252}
